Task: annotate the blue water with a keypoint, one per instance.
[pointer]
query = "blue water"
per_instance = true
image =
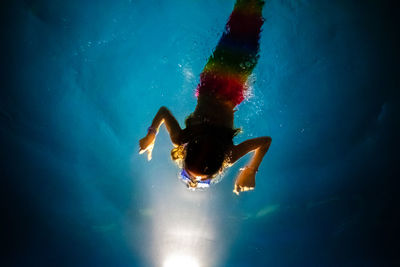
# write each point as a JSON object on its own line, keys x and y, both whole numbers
{"x": 81, "y": 82}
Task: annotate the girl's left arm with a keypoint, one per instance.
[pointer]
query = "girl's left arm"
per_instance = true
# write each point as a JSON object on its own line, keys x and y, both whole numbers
{"x": 246, "y": 178}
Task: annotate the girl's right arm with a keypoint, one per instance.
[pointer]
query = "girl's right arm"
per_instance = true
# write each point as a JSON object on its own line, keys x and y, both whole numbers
{"x": 163, "y": 115}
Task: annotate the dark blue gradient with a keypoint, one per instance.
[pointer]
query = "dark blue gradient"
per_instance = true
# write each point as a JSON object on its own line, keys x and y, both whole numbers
{"x": 81, "y": 81}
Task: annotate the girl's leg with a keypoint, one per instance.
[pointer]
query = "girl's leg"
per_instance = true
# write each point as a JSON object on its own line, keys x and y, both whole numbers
{"x": 236, "y": 54}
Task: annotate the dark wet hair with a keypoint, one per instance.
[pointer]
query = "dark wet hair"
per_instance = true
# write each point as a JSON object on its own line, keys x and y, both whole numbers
{"x": 205, "y": 155}
{"x": 206, "y": 150}
{"x": 203, "y": 146}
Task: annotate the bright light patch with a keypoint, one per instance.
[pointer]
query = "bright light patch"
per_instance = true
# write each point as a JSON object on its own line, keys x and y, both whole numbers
{"x": 178, "y": 260}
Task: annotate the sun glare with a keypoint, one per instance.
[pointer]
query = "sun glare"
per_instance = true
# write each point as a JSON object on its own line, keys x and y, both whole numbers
{"x": 178, "y": 260}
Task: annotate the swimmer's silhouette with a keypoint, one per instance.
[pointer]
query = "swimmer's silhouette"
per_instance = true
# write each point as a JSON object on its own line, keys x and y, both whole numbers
{"x": 205, "y": 146}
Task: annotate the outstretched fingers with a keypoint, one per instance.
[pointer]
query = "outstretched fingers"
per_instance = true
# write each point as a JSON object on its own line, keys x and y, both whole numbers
{"x": 238, "y": 188}
{"x": 147, "y": 144}
{"x": 245, "y": 181}
{"x": 149, "y": 150}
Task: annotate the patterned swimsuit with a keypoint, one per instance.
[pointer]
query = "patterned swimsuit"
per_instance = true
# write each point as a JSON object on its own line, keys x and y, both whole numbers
{"x": 227, "y": 70}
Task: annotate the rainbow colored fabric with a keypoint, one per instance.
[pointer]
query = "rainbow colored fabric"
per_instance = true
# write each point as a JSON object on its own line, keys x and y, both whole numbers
{"x": 227, "y": 70}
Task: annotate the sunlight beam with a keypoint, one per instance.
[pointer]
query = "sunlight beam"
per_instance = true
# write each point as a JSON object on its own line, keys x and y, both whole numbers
{"x": 180, "y": 260}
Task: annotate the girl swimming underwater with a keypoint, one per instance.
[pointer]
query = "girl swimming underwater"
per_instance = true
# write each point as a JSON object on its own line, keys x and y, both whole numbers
{"x": 205, "y": 146}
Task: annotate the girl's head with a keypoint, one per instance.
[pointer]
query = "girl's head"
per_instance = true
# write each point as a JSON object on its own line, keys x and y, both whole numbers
{"x": 205, "y": 156}
{"x": 202, "y": 158}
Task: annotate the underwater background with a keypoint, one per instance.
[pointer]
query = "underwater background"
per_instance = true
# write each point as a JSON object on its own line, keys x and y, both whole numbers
{"x": 82, "y": 80}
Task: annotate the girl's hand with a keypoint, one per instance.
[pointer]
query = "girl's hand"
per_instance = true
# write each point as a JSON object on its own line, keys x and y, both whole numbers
{"x": 246, "y": 180}
{"x": 146, "y": 144}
